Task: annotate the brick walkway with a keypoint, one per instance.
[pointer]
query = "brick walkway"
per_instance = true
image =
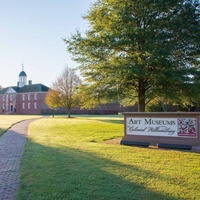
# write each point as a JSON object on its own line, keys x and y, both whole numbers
{"x": 11, "y": 150}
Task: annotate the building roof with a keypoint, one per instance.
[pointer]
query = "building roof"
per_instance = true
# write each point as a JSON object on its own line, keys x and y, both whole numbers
{"x": 34, "y": 88}
{"x": 22, "y": 73}
{"x": 15, "y": 88}
{"x": 2, "y": 91}
{"x": 27, "y": 88}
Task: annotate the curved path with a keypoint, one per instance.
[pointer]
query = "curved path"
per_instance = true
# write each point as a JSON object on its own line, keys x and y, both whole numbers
{"x": 11, "y": 149}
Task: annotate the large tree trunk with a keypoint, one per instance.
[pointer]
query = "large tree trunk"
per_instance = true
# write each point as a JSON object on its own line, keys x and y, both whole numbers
{"x": 141, "y": 105}
{"x": 68, "y": 108}
{"x": 69, "y": 113}
{"x": 141, "y": 96}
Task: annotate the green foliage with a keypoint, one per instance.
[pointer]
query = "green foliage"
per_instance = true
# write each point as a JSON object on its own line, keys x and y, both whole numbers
{"x": 89, "y": 96}
{"x": 157, "y": 107}
{"x": 138, "y": 49}
{"x": 69, "y": 159}
{"x": 186, "y": 108}
{"x": 186, "y": 99}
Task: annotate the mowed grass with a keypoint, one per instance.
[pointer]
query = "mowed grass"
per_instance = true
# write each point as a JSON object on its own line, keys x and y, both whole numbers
{"x": 6, "y": 121}
{"x": 69, "y": 159}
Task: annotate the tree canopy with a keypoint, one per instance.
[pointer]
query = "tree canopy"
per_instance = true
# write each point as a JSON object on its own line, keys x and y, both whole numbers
{"x": 64, "y": 91}
{"x": 137, "y": 50}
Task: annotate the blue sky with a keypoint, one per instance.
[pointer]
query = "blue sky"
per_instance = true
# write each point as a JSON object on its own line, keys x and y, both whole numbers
{"x": 31, "y": 33}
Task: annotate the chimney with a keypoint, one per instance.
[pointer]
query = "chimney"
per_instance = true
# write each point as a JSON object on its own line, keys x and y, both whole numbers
{"x": 30, "y": 82}
{"x": 18, "y": 84}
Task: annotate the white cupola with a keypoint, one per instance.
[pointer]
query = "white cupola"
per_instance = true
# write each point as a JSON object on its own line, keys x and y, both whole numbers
{"x": 22, "y": 78}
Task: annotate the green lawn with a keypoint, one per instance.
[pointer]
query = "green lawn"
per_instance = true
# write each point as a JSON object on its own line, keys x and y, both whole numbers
{"x": 6, "y": 121}
{"x": 69, "y": 159}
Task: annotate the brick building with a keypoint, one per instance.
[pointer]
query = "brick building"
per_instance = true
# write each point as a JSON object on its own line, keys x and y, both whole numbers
{"x": 23, "y": 98}
{"x": 30, "y": 99}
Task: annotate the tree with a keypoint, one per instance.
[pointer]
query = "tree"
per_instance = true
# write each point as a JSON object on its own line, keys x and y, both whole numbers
{"x": 52, "y": 99}
{"x": 159, "y": 104}
{"x": 137, "y": 50}
{"x": 64, "y": 92}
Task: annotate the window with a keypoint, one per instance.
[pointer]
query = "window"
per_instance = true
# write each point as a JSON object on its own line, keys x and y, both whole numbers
{"x": 23, "y": 105}
{"x": 35, "y": 96}
{"x": 35, "y": 105}
{"x": 29, "y": 105}
{"x": 11, "y": 97}
{"x": 3, "y": 98}
{"x": 23, "y": 97}
{"x": 6, "y": 106}
{"x": 29, "y": 96}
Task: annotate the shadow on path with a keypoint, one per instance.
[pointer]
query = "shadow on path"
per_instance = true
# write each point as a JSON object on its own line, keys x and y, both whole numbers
{"x": 11, "y": 149}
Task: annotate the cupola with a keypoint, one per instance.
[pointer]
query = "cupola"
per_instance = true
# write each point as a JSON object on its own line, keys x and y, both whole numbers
{"x": 22, "y": 78}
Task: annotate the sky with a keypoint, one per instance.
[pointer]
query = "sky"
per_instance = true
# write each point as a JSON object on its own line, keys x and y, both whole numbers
{"x": 31, "y": 33}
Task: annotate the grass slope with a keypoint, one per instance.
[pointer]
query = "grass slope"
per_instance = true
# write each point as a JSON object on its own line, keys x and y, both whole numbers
{"x": 68, "y": 159}
{"x": 6, "y": 121}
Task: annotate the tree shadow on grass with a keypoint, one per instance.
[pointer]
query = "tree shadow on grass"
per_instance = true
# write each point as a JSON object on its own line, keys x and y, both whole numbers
{"x": 67, "y": 173}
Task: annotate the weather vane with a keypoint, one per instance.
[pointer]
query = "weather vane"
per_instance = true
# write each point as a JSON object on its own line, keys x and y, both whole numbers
{"x": 22, "y": 64}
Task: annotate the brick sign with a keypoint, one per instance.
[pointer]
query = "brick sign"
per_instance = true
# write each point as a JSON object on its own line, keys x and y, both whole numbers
{"x": 168, "y": 127}
{"x": 161, "y": 128}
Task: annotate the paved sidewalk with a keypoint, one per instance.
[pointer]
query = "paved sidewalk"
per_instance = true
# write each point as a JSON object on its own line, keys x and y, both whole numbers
{"x": 11, "y": 149}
